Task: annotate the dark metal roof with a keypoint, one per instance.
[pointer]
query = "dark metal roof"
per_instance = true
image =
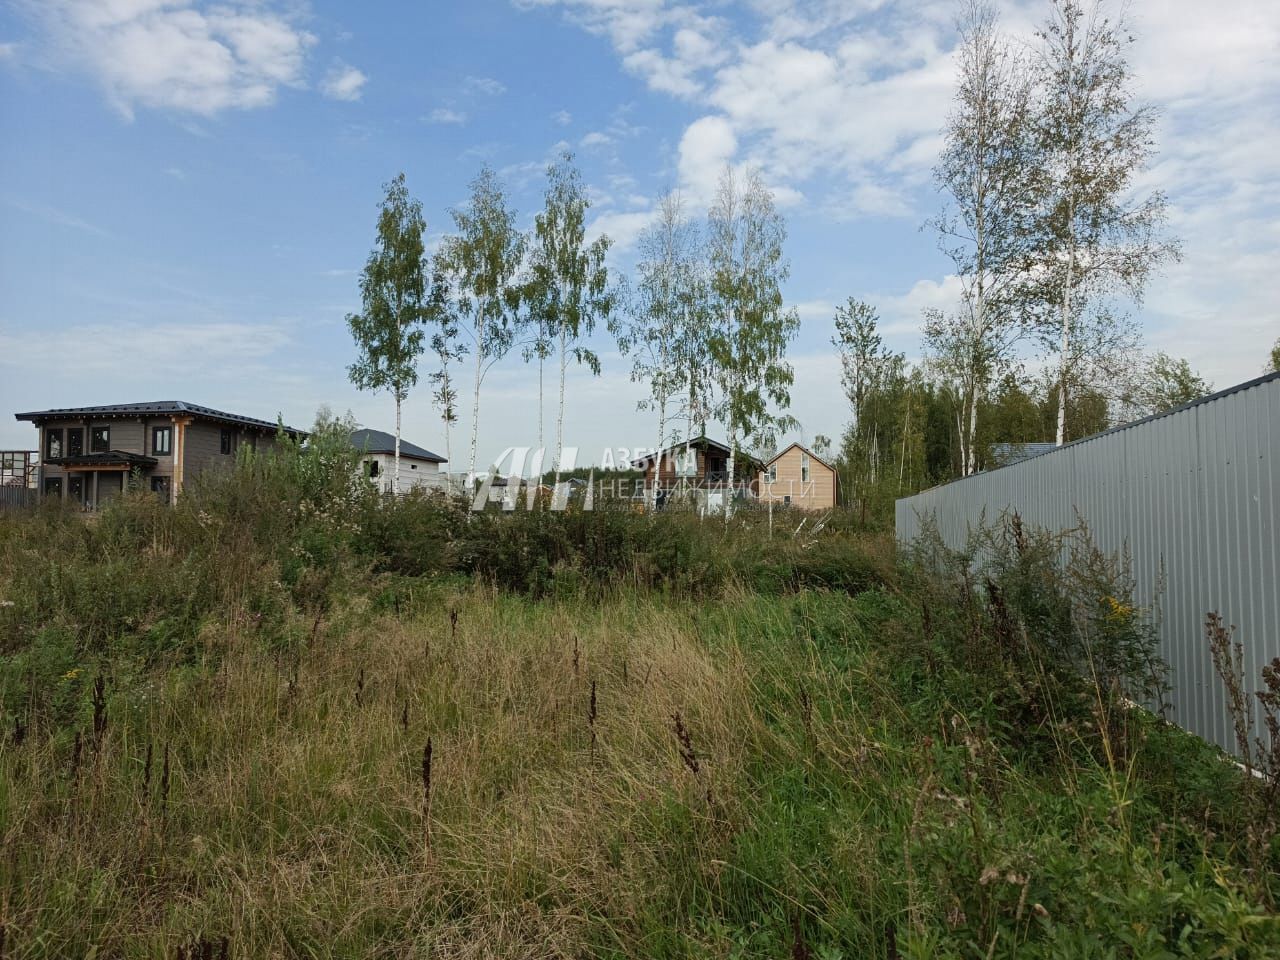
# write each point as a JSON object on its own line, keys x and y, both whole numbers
{"x": 376, "y": 441}
{"x": 157, "y": 408}
{"x": 111, "y": 458}
{"x": 697, "y": 443}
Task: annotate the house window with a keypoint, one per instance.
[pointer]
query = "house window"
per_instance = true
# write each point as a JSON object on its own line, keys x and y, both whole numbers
{"x": 773, "y": 473}
{"x": 75, "y": 441}
{"x": 225, "y": 447}
{"x": 786, "y": 501}
{"x": 804, "y": 468}
{"x": 161, "y": 441}
{"x": 52, "y": 444}
{"x": 53, "y": 486}
{"x": 99, "y": 439}
{"x": 160, "y": 485}
{"x": 413, "y": 466}
{"x": 373, "y": 467}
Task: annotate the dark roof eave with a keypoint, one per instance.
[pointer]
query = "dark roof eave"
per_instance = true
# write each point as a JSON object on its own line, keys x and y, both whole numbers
{"x": 111, "y": 458}
{"x": 165, "y": 408}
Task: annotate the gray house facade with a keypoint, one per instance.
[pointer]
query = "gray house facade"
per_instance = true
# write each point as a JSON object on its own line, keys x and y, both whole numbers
{"x": 89, "y": 454}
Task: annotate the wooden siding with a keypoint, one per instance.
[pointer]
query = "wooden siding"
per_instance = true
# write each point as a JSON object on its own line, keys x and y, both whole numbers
{"x": 819, "y": 493}
{"x": 200, "y": 447}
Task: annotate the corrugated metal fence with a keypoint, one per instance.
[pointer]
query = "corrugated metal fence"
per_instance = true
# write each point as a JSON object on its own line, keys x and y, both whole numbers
{"x": 1195, "y": 491}
{"x": 14, "y": 497}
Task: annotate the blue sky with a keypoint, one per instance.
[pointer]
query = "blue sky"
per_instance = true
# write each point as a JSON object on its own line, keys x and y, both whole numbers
{"x": 188, "y": 189}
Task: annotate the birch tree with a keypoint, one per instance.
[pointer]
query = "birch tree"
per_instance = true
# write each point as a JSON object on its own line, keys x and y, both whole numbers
{"x": 482, "y": 260}
{"x": 987, "y": 174}
{"x": 448, "y": 349}
{"x": 569, "y": 292}
{"x": 1094, "y": 235}
{"x": 388, "y": 331}
{"x": 866, "y": 368}
{"x": 750, "y": 328}
{"x": 662, "y": 329}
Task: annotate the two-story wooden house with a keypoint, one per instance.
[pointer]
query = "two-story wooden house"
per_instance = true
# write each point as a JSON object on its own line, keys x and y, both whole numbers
{"x": 699, "y": 470}
{"x": 87, "y": 454}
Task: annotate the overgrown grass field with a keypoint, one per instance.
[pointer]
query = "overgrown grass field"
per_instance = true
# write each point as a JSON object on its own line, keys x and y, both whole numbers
{"x": 289, "y": 719}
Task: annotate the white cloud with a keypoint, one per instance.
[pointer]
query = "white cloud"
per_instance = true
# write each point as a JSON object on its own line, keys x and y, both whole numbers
{"x": 707, "y": 145}
{"x": 623, "y": 228}
{"x": 152, "y": 346}
{"x": 562, "y": 118}
{"x": 180, "y": 55}
{"x": 344, "y": 82}
{"x": 55, "y": 216}
{"x": 851, "y": 95}
{"x": 486, "y": 85}
{"x": 595, "y": 139}
{"x": 626, "y": 24}
{"x": 445, "y": 115}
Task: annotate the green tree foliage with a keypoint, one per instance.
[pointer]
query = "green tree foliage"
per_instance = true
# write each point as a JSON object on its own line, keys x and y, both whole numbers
{"x": 663, "y": 329}
{"x": 1273, "y": 365}
{"x": 448, "y": 349}
{"x": 986, "y": 173}
{"x": 1095, "y": 234}
{"x": 481, "y": 260}
{"x": 1163, "y": 383}
{"x": 873, "y": 378}
{"x": 750, "y": 327}
{"x": 388, "y": 331}
{"x": 569, "y": 290}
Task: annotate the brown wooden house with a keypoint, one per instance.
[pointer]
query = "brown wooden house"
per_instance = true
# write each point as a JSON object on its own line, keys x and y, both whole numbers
{"x": 798, "y": 477}
{"x": 88, "y": 454}
{"x": 699, "y": 467}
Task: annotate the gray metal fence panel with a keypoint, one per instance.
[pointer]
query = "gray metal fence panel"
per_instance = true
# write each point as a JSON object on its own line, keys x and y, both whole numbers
{"x": 13, "y": 497}
{"x": 1193, "y": 496}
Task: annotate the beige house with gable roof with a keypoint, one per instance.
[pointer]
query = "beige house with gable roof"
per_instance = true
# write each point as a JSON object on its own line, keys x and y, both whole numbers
{"x": 798, "y": 477}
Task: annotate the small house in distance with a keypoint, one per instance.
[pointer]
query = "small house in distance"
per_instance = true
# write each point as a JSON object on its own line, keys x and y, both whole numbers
{"x": 88, "y": 453}
{"x": 798, "y": 477}
{"x": 419, "y": 467}
{"x": 697, "y": 469}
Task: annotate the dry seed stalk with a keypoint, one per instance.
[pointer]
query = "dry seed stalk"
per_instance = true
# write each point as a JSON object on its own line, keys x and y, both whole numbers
{"x": 685, "y": 740}
{"x": 164, "y": 781}
{"x": 99, "y": 710}
{"x": 591, "y": 720}
{"x": 426, "y": 786}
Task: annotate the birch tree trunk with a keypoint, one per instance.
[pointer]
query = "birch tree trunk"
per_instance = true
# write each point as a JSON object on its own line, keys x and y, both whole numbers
{"x": 475, "y": 403}
{"x": 560, "y": 418}
{"x": 395, "y": 473}
{"x": 1064, "y": 346}
{"x": 448, "y": 443}
{"x": 657, "y": 461}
